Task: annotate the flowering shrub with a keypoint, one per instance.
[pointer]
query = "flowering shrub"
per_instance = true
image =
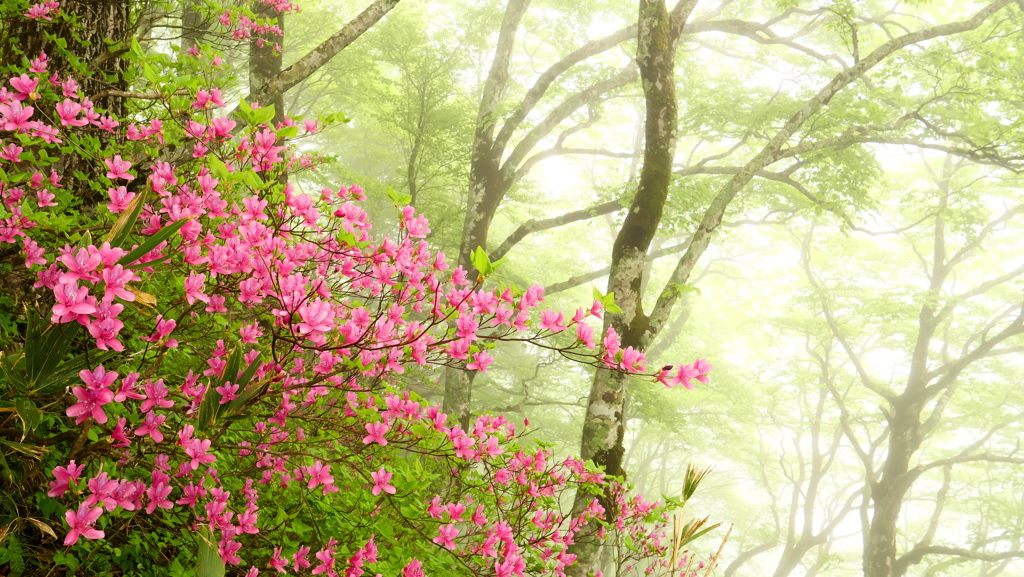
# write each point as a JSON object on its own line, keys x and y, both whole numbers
{"x": 214, "y": 350}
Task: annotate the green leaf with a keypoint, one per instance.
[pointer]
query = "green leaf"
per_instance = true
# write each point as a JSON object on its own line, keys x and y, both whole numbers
{"x": 263, "y": 115}
{"x": 151, "y": 242}
{"x": 28, "y": 412}
{"x": 218, "y": 168}
{"x": 126, "y": 222}
{"x": 253, "y": 180}
{"x": 149, "y": 74}
{"x": 608, "y": 301}
{"x": 482, "y": 263}
{"x": 697, "y": 534}
{"x": 255, "y": 391}
{"x": 68, "y": 371}
{"x": 33, "y": 451}
{"x": 5, "y": 471}
{"x": 13, "y": 367}
{"x": 208, "y": 564}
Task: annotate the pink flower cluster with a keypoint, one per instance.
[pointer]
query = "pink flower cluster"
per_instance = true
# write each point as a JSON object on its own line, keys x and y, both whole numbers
{"x": 336, "y": 314}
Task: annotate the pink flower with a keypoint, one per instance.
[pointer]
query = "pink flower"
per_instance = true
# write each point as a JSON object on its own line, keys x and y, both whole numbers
{"x": 68, "y": 112}
{"x": 115, "y": 279}
{"x": 381, "y": 482}
{"x": 69, "y": 87}
{"x": 683, "y": 376}
{"x": 250, "y": 333}
{"x": 413, "y": 569}
{"x": 151, "y": 427}
{"x": 585, "y": 335}
{"x": 319, "y": 474}
{"x": 552, "y": 321}
{"x": 157, "y": 495}
{"x": 120, "y": 198}
{"x": 481, "y": 361}
{"x": 702, "y": 367}
{"x": 376, "y": 433}
{"x": 228, "y": 392}
{"x": 278, "y": 562}
{"x": 33, "y": 253}
{"x": 81, "y": 524}
{"x": 45, "y": 198}
{"x": 196, "y": 450}
{"x": 92, "y": 397}
{"x": 300, "y": 558}
{"x": 11, "y": 152}
{"x": 117, "y": 168}
{"x": 65, "y": 476}
{"x": 15, "y": 117}
{"x": 205, "y": 99}
{"x": 317, "y": 317}
{"x": 446, "y": 536}
{"x": 26, "y": 86}
{"x": 163, "y": 330}
{"x": 42, "y": 10}
{"x": 38, "y": 65}
{"x": 194, "y": 285}
{"x": 118, "y": 435}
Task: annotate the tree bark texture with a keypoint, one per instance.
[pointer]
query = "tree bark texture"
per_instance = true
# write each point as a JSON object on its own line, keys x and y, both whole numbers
{"x": 265, "y": 60}
{"x": 491, "y": 174}
{"x": 99, "y": 35}
{"x": 487, "y": 187}
{"x": 604, "y": 422}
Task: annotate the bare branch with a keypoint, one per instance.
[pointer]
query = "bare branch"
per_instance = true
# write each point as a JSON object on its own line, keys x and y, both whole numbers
{"x": 546, "y": 78}
{"x": 770, "y": 153}
{"x": 311, "y": 62}
{"x": 531, "y": 226}
{"x": 561, "y": 112}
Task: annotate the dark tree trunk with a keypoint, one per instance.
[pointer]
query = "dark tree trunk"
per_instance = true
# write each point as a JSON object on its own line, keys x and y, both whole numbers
{"x": 99, "y": 39}
{"x": 604, "y": 422}
{"x": 265, "y": 59}
{"x": 102, "y": 35}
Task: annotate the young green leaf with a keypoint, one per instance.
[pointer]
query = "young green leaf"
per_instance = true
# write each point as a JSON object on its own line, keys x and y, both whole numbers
{"x": 152, "y": 242}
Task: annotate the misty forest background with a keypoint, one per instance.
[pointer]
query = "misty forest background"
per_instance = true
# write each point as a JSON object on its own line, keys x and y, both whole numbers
{"x": 861, "y": 301}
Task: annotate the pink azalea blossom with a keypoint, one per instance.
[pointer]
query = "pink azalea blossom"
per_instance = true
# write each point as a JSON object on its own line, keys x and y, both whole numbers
{"x": 68, "y": 112}
{"x": 118, "y": 168}
{"x": 277, "y": 562}
{"x": 92, "y": 397}
{"x": 376, "y": 433}
{"x": 151, "y": 427}
{"x": 120, "y": 198}
{"x": 552, "y": 321}
{"x": 81, "y": 524}
{"x": 413, "y": 569}
{"x": 34, "y": 254}
{"x": 381, "y": 482}
{"x": 481, "y": 361}
{"x": 65, "y": 476}
{"x": 446, "y": 536}
{"x": 228, "y": 392}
